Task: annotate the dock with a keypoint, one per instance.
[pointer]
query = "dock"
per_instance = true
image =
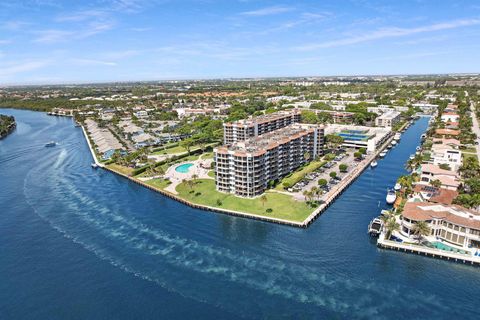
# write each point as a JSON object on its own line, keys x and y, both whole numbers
{"x": 429, "y": 252}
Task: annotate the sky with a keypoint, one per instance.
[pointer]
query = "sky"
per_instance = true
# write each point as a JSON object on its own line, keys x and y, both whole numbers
{"x": 46, "y": 41}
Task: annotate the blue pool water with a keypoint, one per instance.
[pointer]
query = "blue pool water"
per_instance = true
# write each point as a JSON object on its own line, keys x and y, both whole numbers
{"x": 183, "y": 168}
{"x": 78, "y": 243}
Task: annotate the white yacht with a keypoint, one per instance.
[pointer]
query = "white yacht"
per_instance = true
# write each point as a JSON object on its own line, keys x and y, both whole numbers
{"x": 373, "y": 164}
{"x": 394, "y": 143}
{"x": 418, "y": 148}
{"x": 397, "y": 136}
{"x": 375, "y": 227}
{"x": 391, "y": 196}
{"x": 383, "y": 154}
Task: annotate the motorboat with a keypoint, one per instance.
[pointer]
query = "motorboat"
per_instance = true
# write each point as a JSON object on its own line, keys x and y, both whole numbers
{"x": 383, "y": 154}
{"x": 375, "y": 227}
{"x": 397, "y": 136}
{"x": 389, "y": 146}
{"x": 94, "y": 165}
{"x": 391, "y": 196}
{"x": 397, "y": 187}
{"x": 412, "y": 156}
{"x": 373, "y": 164}
{"x": 51, "y": 144}
{"x": 394, "y": 143}
{"x": 418, "y": 148}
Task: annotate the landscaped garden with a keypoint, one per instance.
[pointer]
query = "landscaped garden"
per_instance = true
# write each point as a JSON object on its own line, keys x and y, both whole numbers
{"x": 271, "y": 204}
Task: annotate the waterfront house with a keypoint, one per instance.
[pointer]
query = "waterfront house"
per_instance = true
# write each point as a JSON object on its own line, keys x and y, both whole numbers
{"x": 433, "y": 194}
{"x": 447, "y": 132}
{"x": 450, "y": 117}
{"x": 445, "y": 154}
{"x": 450, "y": 224}
{"x": 430, "y": 172}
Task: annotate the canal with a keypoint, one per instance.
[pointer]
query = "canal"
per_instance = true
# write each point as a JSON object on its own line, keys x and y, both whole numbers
{"x": 80, "y": 243}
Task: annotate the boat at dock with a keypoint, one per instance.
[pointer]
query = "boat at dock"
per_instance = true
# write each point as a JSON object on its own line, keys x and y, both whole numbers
{"x": 373, "y": 164}
{"x": 397, "y": 187}
{"x": 383, "y": 154}
{"x": 412, "y": 156}
{"x": 50, "y": 144}
{"x": 394, "y": 143}
{"x": 391, "y": 196}
{"x": 94, "y": 165}
{"x": 397, "y": 136}
{"x": 375, "y": 227}
{"x": 418, "y": 148}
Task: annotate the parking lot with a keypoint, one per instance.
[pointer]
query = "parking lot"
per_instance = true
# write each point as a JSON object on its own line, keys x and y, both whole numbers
{"x": 311, "y": 179}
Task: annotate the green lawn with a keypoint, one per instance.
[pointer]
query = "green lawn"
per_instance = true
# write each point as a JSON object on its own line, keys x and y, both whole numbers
{"x": 211, "y": 173}
{"x": 283, "y": 206}
{"x": 469, "y": 150}
{"x": 173, "y": 150}
{"x": 300, "y": 173}
{"x": 158, "y": 183}
{"x": 469, "y": 155}
{"x": 122, "y": 169}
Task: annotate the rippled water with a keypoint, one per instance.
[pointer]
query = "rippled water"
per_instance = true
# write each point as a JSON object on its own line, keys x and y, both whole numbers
{"x": 82, "y": 243}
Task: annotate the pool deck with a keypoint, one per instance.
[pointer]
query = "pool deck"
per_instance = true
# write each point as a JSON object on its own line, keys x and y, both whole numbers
{"x": 177, "y": 177}
{"x": 429, "y": 252}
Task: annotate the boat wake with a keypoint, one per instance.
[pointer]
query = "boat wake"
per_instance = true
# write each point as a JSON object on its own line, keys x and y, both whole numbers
{"x": 197, "y": 270}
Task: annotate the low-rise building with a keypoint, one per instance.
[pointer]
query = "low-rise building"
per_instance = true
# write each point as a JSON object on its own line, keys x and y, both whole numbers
{"x": 450, "y": 117}
{"x": 388, "y": 119}
{"x": 245, "y": 167}
{"x": 370, "y": 138}
{"x": 430, "y": 172}
{"x": 444, "y": 154}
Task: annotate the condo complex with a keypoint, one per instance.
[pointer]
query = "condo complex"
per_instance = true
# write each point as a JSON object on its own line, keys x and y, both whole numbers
{"x": 268, "y": 148}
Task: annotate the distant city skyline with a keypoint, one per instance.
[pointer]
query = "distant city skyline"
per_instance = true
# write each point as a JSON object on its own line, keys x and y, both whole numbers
{"x": 46, "y": 42}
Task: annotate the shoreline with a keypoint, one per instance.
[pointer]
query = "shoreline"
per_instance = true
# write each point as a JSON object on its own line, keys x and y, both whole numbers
{"x": 303, "y": 224}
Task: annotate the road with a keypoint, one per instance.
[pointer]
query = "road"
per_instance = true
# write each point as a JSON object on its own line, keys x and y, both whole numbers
{"x": 475, "y": 128}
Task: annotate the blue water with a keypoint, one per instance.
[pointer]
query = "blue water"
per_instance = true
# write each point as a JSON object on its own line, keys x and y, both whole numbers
{"x": 78, "y": 243}
{"x": 183, "y": 168}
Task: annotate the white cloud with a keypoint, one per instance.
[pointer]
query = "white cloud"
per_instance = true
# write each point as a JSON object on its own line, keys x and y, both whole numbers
{"x": 268, "y": 11}
{"x": 390, "y": 33}
{"x": 26, "y": 66}
{"x": 92, "y": 62}
{"x": 57, "y": 35}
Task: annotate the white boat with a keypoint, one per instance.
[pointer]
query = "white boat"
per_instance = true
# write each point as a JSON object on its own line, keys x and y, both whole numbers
{"x": 383, "y": 154}
{"x": 94, "y": 165}
{"x": 373, "y": 164}
{"x": 391, "y": 196}
{"x": 51, "y": 144}
{"x": 394, "y": 143}
{"x": 418, "y": 148}
{"x": 397, "y": 136}
{"x": 412, "y": 156}
{"x": 389, "y": 146}
{"x": 375, "y": 227}
{"x": 397, "y": 187}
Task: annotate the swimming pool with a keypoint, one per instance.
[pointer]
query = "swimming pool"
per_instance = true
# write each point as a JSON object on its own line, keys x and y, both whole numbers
{"x": 183, "y": 168}
{"x": 443, "y": 246}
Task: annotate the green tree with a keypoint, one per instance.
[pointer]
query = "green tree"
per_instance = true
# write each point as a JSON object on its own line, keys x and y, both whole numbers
{"x": 343, "y": 167}
{"x": 333, "y": 174}
{"x": 263, "y": 199}
{"x": 421, "y": 229}
{"x": 309, "y": 117}
{"x": 322, "y": 182}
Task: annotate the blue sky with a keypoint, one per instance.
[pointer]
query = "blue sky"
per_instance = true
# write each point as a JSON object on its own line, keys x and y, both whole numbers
{"x": 46, "y": 41}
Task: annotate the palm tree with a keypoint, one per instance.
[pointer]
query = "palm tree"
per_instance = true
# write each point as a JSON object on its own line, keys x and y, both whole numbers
{"x": 194, "y": 178}
{"x": 391, "y": 226}
{"x": 307, "y": 156}
{"x": 436, "y": 183}
{"x": 421, "y": 229}
{"x": 406, "y": 182}
{"x": 388, "y": 216}
{"x": 263, "y": 198}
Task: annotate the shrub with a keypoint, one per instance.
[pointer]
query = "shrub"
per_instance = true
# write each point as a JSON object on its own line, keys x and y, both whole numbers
{"x": 286, "y": 185}
{"x": 343, "y": 167}
{"x": 198, "y": 194}
{"x": 269, "y": 210}
{"x": 219, "y": 202}
{"x": 333, "y": 174}
{"x": 322, "y": 182}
